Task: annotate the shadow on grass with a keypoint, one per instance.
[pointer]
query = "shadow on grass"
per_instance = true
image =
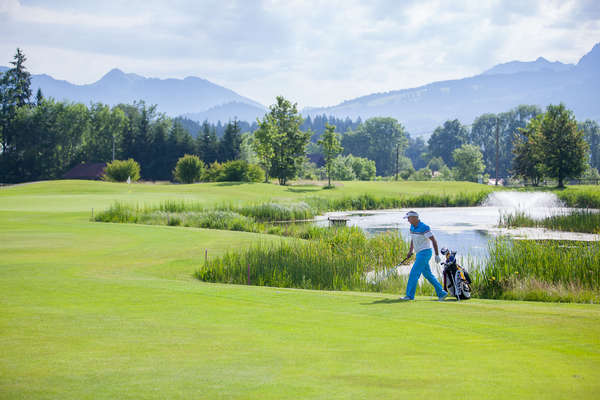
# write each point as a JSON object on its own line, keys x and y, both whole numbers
{"x": 399, "y": 300}
{"x": 303, "y": 189}
{"x": 231, "y": 183}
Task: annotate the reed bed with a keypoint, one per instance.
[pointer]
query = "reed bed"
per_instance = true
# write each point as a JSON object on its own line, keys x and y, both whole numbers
{"x": 334, "y": 259}
{"x": 372, "y": 202}
{"x": 257, "y": 217}
{"x": 581, "y": 220}
{"x": 580, "y": 197}
{"x": 563, "y": 271}
{"x": 262, "y": 212}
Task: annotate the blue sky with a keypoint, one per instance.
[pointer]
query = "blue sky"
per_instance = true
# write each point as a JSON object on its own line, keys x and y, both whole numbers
{"x": 315, "y": 53}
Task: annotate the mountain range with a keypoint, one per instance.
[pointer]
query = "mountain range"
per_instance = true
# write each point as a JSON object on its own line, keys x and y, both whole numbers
{"x": 420, "y": 109}
{"x": 498, "y": 89}
{"x": 173, "y": 96}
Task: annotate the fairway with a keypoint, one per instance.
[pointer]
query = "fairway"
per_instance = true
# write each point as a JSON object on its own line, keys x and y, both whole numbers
{"x": 111, "y": 311}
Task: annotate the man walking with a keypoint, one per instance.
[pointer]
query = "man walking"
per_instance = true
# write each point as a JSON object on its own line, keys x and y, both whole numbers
{"x": 421, "y": 239}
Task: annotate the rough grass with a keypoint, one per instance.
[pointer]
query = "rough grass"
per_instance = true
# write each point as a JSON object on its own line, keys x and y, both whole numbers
{"x": 336, "y": 259}
{"x": 581, "y": 196}
{"x": 579, "y": 220}
{"x": 106, "y": 311}
{"x": 540, "y": 270}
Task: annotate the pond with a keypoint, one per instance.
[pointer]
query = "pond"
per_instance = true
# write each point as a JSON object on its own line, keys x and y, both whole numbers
{"x": 468, "y": 229}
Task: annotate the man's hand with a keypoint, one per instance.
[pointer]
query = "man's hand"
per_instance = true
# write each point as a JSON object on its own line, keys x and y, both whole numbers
{"x": 437, "y": 258}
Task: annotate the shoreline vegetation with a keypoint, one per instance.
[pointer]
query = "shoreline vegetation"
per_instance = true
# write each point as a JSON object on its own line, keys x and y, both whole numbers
{"x": 579, "y": 220}
{"x": 340, "y": 258}
{"x": 262, "y": 217}
{"x": 343, "y": 259}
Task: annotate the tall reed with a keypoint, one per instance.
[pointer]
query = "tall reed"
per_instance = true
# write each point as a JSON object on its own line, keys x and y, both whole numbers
{"x": 580, "y": 197}
{"x": 338, "y": 259}
{"x": 581, "y": 220}
{"x": 540, "y": 270}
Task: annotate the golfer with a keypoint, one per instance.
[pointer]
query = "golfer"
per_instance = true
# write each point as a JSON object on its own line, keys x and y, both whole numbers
{"x": 421, "y": 239}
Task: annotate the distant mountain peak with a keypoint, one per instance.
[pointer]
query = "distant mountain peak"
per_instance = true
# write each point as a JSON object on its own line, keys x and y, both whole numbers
{"x": 116, "y": 74}
{"x": 591, "y": 60}
{"x": 540, "y": 64}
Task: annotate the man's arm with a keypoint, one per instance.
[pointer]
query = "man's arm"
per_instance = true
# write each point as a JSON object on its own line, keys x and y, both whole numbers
{"x": 435, "y": 248}
{"x": 435, "y": 245}
{"x": 410, "y": 251}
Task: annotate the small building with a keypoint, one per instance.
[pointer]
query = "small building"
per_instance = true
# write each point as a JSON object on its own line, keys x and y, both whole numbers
{"x": 492, "y": 182}
{"x": 90, "y": 171}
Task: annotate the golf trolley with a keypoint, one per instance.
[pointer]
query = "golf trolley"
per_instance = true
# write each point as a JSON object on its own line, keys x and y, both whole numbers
{"x": 457, "y": 281}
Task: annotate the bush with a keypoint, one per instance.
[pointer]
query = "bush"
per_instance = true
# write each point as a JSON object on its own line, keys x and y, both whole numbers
{"x": 189, "y": 169}
{"x": 121, "y": 170}
{"x": 255, "y": 173}
{"x": 424, "y": 174}
{"x": 241, "y": 171}
{"x": 214, "y": 173}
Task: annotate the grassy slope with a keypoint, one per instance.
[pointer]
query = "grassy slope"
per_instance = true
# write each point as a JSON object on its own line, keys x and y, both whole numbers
{"x": 91, "y": 310}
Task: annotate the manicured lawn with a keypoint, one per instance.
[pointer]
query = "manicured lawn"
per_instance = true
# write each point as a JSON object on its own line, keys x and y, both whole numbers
{"x": 104, "y": 311}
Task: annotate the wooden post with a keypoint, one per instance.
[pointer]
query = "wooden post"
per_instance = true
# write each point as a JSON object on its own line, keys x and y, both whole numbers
{"x": 248, "y": 273}
{"x": 205, "y": 256}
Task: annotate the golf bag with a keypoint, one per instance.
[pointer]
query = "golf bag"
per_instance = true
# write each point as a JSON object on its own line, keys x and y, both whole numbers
{"x": 457, "y": 281}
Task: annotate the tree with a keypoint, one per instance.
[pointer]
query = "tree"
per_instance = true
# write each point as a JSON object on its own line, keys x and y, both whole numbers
{"x": 564, "y": 147}
{"x": 469, "y": 163}
{"x": 591, "y": 132}
{"x": 189, "y": 169}
{"x": 445, "y": 139}
{"x": 417, "y": 152}
{"x": 435, "y": 164}
{"x": 378, "y": 139}
{"x": 284, "y": 143}
{"x": 262, "y": 144}
{"x": 229, "y": 146}
{"x": 208, "y": 145}
{"x": 528, "y": 162}
{"x": 364, "y": 169}
{"x": 15, "y": 93}
{"x": 330, "y": 146}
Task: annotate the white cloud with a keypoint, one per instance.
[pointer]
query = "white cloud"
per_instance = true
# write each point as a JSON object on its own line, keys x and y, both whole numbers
{"x": 314, "y": 52}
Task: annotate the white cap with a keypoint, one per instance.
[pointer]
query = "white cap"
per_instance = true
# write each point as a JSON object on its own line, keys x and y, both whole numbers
{"x": 411, "y": 214}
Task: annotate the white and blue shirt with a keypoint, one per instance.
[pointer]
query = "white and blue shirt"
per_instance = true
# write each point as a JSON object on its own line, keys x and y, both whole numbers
{"x": 420, "y": 237}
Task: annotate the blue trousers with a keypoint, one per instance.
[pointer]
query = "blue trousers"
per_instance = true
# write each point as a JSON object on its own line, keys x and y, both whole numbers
{"x": 421, "y": 266}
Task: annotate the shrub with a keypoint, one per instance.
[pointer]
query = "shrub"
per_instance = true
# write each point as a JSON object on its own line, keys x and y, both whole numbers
{"x": 189, "y": 169}
{"x": 214, "y": 173}
{"x": 241, "y": 171}
{"x": 120, "y": 170}
{"x": 255, "y": 173}
{"x": 424, "y": 174}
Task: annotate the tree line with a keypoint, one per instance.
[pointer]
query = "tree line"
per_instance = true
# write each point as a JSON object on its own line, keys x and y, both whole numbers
{"x": 42, "y": 139}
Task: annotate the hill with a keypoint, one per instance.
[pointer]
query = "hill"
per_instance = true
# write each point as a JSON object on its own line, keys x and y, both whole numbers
{"x": 173, "y": 96}
{"x": 498, "y": 89}
{"x": 229, "y": 111}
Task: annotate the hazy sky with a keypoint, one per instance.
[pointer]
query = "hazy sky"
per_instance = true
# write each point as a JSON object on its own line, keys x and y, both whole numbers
{"x": 313, "y": 52}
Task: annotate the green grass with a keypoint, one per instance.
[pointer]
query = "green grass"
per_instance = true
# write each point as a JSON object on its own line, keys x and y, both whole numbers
{"x": 579, "y": 220}
{"x": 581, "y": 196}
{"x": 105, "y": 311}
{"x": 336, "y": 259}
{"x": 541, "y": 270}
